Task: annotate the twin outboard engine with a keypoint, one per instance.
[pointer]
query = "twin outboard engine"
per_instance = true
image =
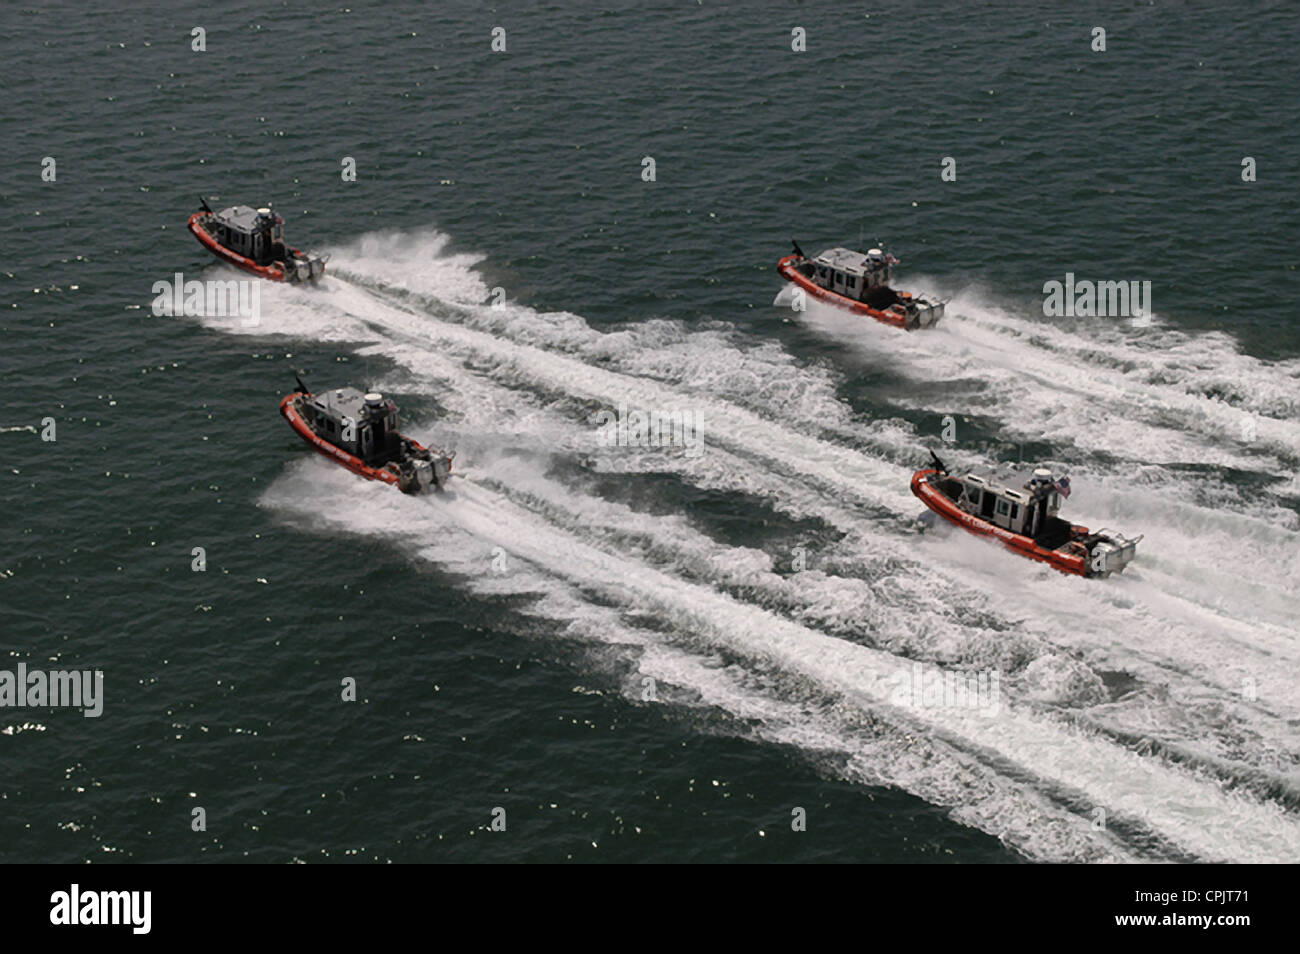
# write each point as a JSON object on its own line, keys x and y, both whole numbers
{"x": 423, "y": 470}
{"x": 925, "y": 312}
{"x": 1110, "y": 553}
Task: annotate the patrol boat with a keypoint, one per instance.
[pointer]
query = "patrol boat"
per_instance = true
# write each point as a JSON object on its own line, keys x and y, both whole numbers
{"x": 253, "y": 239}
{"x": 1024, "y": 520}
{"x": 860, "y": 283}
{"x": 360, "y": 432}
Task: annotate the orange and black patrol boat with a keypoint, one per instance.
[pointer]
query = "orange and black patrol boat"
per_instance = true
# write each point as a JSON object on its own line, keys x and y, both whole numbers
{"x": 359, "y": 431}
{"x": 860, "y": 283}
{"x": 253, "y": 239}
{"x": 1024, "y": 520}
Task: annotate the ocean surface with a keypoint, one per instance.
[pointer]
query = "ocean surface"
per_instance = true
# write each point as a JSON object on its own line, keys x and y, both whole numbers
{"x": 645, "y": 653}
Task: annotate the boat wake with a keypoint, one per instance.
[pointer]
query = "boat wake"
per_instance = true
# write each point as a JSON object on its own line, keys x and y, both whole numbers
{"x": 1148, "y": 717}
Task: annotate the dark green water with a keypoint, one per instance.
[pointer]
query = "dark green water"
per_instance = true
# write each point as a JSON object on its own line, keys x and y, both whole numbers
{"x": 501, "y": 636}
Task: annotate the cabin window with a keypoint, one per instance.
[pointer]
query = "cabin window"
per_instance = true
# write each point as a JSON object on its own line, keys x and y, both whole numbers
{"x": 1003, "y": 507}
{"x": 973, "y": 494}
{"x": 1015, "y": 511}
{"x": 851, "y": 281}
{"x": 329, "y": 425}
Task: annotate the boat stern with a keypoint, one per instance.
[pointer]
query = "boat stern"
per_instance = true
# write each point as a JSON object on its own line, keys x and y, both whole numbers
{"x": 304, "y": 267}
{"x": 1111, "y": 553}
{"x": 441, "y": 470}
{"x": 925, "y": 312}
{"x": 426, "y": 471}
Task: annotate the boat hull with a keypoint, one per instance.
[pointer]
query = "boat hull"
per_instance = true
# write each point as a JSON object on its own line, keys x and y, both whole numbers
{"x": 289, "y": 410}
{"x": 896, "y": 316}
{"x": 274, "y": 272}
{"x": 1072, "y": 559}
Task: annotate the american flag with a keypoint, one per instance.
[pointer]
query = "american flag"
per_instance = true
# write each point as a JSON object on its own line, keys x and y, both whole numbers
{"x": 1063, "y": 486}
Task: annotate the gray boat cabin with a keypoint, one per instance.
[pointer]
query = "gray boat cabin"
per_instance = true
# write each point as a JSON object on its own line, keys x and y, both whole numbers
{"x": 1032, "y": 511}
{"x": 257, "y": 234}
{"x": 851, "y": 273}
{"x": 364, "y": 425}
{"x": 866, "y": 278}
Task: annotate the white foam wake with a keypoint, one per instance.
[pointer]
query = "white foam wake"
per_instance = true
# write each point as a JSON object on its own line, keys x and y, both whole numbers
{"x": 519, "y": 387}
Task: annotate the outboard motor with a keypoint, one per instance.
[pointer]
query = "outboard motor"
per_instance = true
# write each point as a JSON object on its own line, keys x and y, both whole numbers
{"x": 423, "y": 474}
{"x": 927, "y": 312}
{"x": 1110, "y": 552}
{"x": 441, "y": 469}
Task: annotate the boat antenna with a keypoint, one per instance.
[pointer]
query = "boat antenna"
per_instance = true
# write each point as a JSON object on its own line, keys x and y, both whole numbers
{"x": 797, "y": 250}
{"x": 302, "y": 388}
{"x": 938, "y": 464}
{"x": 204, "y": 203}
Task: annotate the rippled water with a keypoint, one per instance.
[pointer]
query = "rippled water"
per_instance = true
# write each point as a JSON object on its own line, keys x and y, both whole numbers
{"x": 613, "y": 644}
